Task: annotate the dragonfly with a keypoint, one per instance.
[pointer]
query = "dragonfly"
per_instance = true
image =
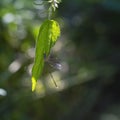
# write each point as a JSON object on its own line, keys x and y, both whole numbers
{"x": 54, "y": 62}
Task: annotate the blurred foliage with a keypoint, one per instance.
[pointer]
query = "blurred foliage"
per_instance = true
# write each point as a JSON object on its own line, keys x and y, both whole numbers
{"x": 89, "y": 49}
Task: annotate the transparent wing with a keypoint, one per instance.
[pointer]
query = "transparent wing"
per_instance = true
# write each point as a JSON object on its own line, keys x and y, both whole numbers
{"x": 53, "y": 62}
{"x": 55, "y": 65}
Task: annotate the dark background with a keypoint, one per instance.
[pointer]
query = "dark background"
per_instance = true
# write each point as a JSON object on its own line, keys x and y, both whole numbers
{"x": 88, "y": 49}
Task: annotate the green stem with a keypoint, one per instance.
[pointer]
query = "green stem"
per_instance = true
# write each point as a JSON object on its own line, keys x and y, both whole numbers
{"x": 50, "y": 13}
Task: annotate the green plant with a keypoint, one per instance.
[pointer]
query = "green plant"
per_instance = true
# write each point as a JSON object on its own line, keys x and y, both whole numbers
{"x": 47, "y": 37}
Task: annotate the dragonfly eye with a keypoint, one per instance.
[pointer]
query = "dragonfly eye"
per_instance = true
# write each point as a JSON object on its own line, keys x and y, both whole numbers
{"x": 45, "y": 57}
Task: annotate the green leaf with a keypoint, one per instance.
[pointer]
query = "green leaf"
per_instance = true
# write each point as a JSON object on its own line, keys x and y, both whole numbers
{"x": 48, "y": 34}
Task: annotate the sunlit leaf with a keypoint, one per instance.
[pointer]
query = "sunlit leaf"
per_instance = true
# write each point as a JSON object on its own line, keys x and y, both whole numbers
{"x": 48, "y": 34}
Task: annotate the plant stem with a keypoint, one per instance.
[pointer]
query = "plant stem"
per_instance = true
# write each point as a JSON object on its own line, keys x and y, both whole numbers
{"x": 50, "y": 13}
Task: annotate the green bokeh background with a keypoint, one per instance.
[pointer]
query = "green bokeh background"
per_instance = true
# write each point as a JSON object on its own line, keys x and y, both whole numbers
{"x": 89, "y": 51}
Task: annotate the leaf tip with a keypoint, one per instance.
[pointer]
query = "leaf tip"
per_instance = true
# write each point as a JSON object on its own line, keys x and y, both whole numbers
{"x": 34, "y": 81}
